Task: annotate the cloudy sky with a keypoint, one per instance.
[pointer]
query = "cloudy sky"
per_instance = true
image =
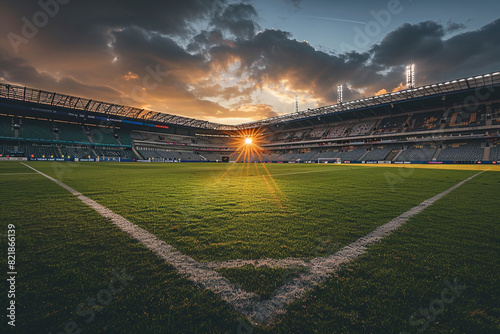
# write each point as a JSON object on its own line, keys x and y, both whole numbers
{"x": 231, "y": 61}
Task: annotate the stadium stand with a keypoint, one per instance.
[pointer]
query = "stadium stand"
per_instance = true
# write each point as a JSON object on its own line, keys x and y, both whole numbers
{"x": 362, "y": 128}
{"x": 495, "y": 152}
{"x": 396, "y": 127}
{"x": 418, "y": 152}
{"x": 211, "y": 156}
{"x": 124, "y": 137}
{"x": 77, "y": 152}
{"x": 318, "y": 132}
{"x": 34, "y": 129}
{"x": 121, "y": 153}
{"x": 103, "y": 135}
{"x": 6, "y": 129}
{"x": 352, "y": 154}
{"x": 392, "y": 124}
{"x": 471, "y": 151}
{"x": 6, "y": 149}
{"x": 40, "y": 151}
{"x": 425, "y": 121}
{"x": 337, "y": 131}
{"x": 466, "y": 119}
{"x": 72, "y": 133}
{"x": 377, "y": 153}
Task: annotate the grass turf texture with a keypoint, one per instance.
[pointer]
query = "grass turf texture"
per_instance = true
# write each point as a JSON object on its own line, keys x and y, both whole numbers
{"x": 68, "y": 251}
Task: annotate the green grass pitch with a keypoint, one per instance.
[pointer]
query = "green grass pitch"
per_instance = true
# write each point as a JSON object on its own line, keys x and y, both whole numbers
{"x": 67, "y": 252}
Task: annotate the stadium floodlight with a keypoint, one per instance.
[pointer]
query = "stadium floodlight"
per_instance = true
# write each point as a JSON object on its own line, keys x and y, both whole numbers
{"x": 248, "y": 141}
{"x": 340, "y": 96}
{"x": 410, "y": 76}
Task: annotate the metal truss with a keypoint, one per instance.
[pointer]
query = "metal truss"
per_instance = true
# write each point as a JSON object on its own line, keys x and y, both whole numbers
{"x": 79, "y": 104}
{"x": 13, "y": 92}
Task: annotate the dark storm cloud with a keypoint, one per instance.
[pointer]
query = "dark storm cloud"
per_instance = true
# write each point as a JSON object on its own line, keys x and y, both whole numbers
{"x": 238, "y": 19}
{"x": 17, "y": 70}
{"x": 138, "y": 46}
{"x": 84, "y": 26}
{"x": 106, "y": 49}
{"x": 206, "y": 39}
{"x": 437, "y": 57}
{"x": 273, "y": 56}
{"x": 166, "y": 16}
{"x": 409, "y": 41}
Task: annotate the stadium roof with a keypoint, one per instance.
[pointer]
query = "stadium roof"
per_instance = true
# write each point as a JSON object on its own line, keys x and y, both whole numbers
{"x": 20, "y": 93}
{"x": 418, "y": 92}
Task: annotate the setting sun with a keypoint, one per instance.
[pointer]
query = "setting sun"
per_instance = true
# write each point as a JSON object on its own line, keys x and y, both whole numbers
{"x": 248, "y": 141}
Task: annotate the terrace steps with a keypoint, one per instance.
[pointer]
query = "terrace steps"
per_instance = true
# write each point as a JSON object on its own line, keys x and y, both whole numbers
{"x": 393, "y": 155}
{"x": 486, "y": 153}
{"x": 434, "y": 157}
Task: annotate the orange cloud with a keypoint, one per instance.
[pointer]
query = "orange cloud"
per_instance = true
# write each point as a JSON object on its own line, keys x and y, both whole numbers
{"x": 395, "y": 89}
{"x": 400, "y": 87}
{"x": 381, "y": 92}
{"x": 131, "y": 76}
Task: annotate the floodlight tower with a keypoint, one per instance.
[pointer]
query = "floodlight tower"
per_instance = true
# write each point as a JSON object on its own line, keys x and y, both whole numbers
{"x": 340, "y": 96}
{"x": 410, "y": 76}
{"x": 296, "y": 103}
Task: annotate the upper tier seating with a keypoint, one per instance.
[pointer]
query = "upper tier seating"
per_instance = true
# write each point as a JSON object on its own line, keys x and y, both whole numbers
{"x": 362, "y": 128}
{"x": 425, "y": 121}
{"x": 392, "y": 124}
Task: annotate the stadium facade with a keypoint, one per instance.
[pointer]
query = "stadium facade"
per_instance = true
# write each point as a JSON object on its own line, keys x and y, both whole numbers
{"x": 449, "y": 122}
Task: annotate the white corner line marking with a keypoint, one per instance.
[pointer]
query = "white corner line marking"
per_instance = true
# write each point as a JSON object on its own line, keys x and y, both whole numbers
{"x": 247, "y": 303}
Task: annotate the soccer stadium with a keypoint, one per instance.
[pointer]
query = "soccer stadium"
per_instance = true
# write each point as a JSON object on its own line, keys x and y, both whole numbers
{"x": 277, "y": 225}
{"x": 199, "y": 167}
{"x": 453, "y": 122}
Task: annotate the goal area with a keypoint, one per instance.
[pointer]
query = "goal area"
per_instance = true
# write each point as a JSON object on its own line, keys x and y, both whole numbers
{"x": 329, "y": 160}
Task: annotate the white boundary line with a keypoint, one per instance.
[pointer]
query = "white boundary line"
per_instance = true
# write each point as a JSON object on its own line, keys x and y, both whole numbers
{"x": 259, "y": 312}
{"x": 288, "y": 262}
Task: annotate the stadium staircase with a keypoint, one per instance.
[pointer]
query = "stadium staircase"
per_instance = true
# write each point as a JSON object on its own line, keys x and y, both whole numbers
{"x": 374, "y": 131}
{"x": 405, "y": 127}
{"x": 56, "y": 134}
{"x": 393, "y": 155}
{"x": 445, "y": 116}
{"x": 348, "y": 131}
{"x": 139, "y": 155}
{"x": 438, "y": 151}
{"x": 88, "y": 135}
{"x": 363, "y": 156}
{"x": 486, "y": 153}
